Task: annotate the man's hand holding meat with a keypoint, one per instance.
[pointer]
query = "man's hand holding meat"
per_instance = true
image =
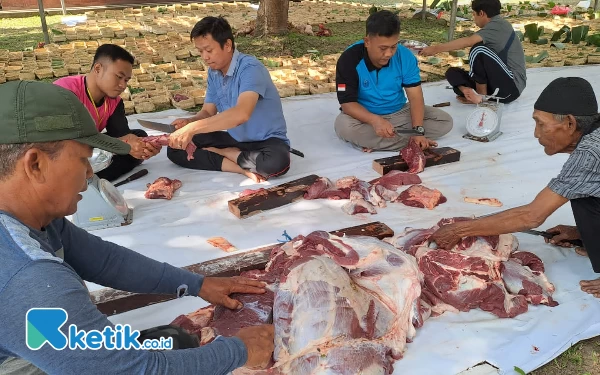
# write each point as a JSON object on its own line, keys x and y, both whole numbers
{"x": 216, "y": 290}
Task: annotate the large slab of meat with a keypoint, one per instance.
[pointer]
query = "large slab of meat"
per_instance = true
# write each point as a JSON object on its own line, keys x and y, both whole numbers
{"x": 163, "y": 140}
{"x": 162, "y": 188}
{"x": 479, "y": 272}
{"x": 365, "y": 197}
{"x": 339, "y": 306}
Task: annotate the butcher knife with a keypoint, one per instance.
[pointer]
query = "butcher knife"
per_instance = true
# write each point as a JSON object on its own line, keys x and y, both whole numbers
{"x": 133, "y": 177}
{"x": 167, "y": 128}
{"x": 541, "y": 233}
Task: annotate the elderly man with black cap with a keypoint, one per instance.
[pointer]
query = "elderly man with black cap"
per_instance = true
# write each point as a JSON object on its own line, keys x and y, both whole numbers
{"x": 566, "y": 121}
{"x": 46, "y": 140}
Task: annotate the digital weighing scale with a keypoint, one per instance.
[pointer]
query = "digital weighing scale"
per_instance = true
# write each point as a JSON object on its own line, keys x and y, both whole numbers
{"x": 102, "y": 206}
{"x": 483, "y": 124}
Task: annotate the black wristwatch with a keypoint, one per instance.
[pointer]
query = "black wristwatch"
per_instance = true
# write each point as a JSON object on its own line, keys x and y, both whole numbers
{"x": 419, "y": 129}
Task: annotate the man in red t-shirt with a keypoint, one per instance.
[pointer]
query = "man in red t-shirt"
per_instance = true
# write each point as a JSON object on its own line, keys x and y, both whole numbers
{"x": 99, "y": 92}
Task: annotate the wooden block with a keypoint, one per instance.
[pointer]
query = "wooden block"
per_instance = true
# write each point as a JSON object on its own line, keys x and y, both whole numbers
{"x": 434, "y": 156}
{"x": 111, "y": 301}
{"x": 271, "y": 198}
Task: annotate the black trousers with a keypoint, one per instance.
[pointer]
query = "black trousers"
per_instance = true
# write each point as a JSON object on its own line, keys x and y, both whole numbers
{"x": 587, "y": 218}
{"x": 486, "y": 68}
{"x": 268, "y": 158}
{"x": 181, "y": 338}
{"x": 121, "y": 164}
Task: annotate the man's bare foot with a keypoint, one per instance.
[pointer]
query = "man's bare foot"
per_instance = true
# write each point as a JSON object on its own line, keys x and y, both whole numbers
{"x": 591, "y": 286}
{"x": 367, "y": 150}
{"x": 471, "y": 96}
{"x": 254, "y": 176}
{"x": 581, "y": 251}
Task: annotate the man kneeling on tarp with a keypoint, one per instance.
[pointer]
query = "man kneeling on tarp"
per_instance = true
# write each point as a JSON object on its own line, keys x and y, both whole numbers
{"x": 240, "y": 98}
{"x": 496, "y": 59}
{"x": 566, "y": 121}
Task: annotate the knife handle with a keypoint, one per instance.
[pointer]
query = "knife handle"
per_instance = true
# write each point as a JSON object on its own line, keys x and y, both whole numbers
{"x": 133, "y": 177}
{"x": 577, "y": 243}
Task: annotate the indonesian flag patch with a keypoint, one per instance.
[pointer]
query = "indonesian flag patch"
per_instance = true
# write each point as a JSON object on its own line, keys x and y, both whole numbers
{"x": 341, "y": 87}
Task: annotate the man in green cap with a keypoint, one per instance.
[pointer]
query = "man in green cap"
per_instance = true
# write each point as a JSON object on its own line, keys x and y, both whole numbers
{"x": 46, "y": 140}
{"x": 566, "y": 121}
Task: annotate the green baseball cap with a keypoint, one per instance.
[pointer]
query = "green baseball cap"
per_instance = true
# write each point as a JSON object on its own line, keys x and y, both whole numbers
{"x": 32, "y": 112}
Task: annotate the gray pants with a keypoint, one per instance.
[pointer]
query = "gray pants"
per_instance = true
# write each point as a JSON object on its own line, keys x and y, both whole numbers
{"x": 18, "y": 366}
{"x": 437, "y": 123}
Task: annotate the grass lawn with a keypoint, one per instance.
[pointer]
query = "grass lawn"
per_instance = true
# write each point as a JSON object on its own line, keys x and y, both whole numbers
{"x": 21, "y": 33}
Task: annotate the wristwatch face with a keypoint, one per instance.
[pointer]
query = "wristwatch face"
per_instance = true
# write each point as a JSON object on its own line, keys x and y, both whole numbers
{"x": 420, "y": 129}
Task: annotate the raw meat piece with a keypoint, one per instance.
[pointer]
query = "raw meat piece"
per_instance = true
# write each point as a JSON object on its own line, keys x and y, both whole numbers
{"x": 323, "y": 188}
{"x": 379, "y": 195}
{"x": 524, "y": 274}
{"x": 346, "y": 182}
{"x": 261, "y": 191}
{"x": 162, "y": 188}
{"x": 163, "y": 140}
{"x": 394, "y": 179}
{"x": 422, "y": 197}
{"x": 222, "y": 244}
{"x": 358, "y": 205}
{"x": 467, "y": 283}
{"x": 414, "y": 157}
{"x": 411, "y": 239}
{"x": 484, "y": 201}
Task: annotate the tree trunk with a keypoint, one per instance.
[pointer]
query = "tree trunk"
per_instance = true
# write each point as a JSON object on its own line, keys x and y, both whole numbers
{"x": 424, "y": 10}
{"x": 272, "y": 17}
{"x": 596, "y": 6}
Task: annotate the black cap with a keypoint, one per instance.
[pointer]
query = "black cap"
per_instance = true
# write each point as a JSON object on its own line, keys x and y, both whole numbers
{"x": 568, "y": 96}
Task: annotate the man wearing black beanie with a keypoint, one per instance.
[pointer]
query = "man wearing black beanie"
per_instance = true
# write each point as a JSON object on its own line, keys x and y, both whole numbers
{"x": 566, "y": 121}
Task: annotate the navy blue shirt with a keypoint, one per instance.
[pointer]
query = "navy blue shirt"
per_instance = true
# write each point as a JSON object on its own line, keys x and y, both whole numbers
{"x": 380, "y": 91}
{"x": 246, "y": 73}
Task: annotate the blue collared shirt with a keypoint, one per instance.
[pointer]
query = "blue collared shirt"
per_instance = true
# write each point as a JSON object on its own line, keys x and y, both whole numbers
{"x": 246, "y": 73}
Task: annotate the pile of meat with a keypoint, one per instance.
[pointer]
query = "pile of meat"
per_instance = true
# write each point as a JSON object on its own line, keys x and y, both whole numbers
{"x": 163, "y": 140}
{"x": 479, "y": 272}
{"x": 339, "y": 305}
{"x": 349, "y": 305}
{"x": 162, "y": 188}
{"x": 366, "y": 196}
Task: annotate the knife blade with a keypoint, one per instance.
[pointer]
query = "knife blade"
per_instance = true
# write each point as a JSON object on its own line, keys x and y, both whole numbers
{"x": 540, "y": 233}
{"x": 133, "y": 177}
{"x": 167, "y": 128}
{"x": 407, "y": 131}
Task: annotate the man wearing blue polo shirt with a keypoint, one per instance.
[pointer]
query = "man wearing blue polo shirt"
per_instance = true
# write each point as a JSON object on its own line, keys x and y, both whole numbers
{"x": 241, "y": 99}
{"x": 371, "y": 77}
